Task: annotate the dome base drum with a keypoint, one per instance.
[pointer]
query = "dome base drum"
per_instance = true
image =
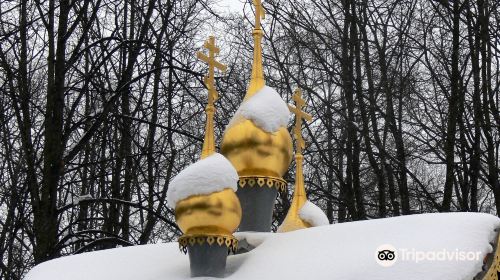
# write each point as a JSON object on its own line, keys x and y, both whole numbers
{"x": 207, "y": 260}
{"x": 257, "y": 204}
{"x": 207, "y": 253}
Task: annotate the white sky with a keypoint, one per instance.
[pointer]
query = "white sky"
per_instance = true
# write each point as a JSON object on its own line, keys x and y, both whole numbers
{"x": 232, "y": 5}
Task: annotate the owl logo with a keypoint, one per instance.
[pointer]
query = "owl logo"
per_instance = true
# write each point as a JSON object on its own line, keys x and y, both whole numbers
{"x": 386, "y": 255}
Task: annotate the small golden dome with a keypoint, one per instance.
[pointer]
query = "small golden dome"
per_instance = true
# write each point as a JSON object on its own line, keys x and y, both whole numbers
{"x": 293, "y": 220}
{"x": 253, "y": 151}
{"x": 215, "y": 213}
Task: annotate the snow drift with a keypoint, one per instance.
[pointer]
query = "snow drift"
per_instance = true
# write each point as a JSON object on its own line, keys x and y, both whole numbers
{"x": 335, "y": 252}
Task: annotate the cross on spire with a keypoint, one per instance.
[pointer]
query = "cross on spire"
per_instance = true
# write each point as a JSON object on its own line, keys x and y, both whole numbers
{"x": 257, "y": 80}
{"x": 299, "y": 116}
{"x": 260, "y": 13}
{"x": 293, "y": 221}
{"x": 209, "y": 80}
{"x": 209, "y": 141}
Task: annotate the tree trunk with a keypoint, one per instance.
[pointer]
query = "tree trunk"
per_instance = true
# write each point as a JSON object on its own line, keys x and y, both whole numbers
{"x": 453, "y": 111}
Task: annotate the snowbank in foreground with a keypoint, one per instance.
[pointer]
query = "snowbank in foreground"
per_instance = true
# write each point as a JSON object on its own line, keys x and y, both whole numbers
{"x": 266, "y": 109}
{"x": 312, "y": 214}
{"x": 209, "y": 175}
{"x": 335, "y": 252}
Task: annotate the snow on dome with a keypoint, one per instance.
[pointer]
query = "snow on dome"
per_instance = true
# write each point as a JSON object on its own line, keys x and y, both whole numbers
{"x": 266, "y": 109}
{"x": 334, "y": 252}
{"x": 211, "y": 174}
{"x": 312, "y": 214}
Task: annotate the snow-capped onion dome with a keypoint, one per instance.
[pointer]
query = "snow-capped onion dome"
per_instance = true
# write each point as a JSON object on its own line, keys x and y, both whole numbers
{"x": 313, "y": 215}
{"x": 256, "y": 140}
{"x": 204, "y": 199}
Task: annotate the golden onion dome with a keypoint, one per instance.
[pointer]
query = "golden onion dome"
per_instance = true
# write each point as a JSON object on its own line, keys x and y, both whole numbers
{"x": 255, "y": 152}
{"x": 204, "y": 198}
{"x": 203, "y": 194}
{"x": 217, "y": 213}
{"x": 252, "y": 150}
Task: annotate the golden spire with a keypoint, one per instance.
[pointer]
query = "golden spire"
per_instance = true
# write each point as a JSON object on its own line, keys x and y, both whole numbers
{"x": 257, "y": 79}
{"x": 209, "y": 141}
{"x": 212, "y": 217}
{"x": 260, "y": 157}
{"x": 292, "y": 220}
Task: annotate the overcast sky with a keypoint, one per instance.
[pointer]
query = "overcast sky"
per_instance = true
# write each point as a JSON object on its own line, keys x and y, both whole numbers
{"x": 232, "y": 5}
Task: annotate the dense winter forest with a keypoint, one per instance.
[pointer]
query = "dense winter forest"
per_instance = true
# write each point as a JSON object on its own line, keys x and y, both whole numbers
{"x": 103, "y": 103}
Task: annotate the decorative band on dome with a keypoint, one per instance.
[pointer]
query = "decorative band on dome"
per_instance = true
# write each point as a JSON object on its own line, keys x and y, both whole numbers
{"x": 262, "y": 181}
{"x": 222, "y": 240}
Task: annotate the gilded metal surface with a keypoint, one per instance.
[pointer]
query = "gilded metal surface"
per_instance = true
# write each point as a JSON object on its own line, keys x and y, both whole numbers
{"x": 251, "y": 150}
{"x": 494, "y": 270}
{"x": 214, "y": 217}
{"x": 209, "y": 141}
{"x": 299, "y": 116}
{"x": 255, "y": 152}
{"x": 261, "y": 181}
{"x": 217, "y": 213}
{"x": 257, "y": 80}
{"x": 292, "y": 220}
{"x": 211, "y": 239}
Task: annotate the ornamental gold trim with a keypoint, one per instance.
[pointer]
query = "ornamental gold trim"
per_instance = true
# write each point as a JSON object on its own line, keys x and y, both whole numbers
{"x": 211, "y": 239}
{"x": 494, "y": 270}
{"x": 263, "y": 181}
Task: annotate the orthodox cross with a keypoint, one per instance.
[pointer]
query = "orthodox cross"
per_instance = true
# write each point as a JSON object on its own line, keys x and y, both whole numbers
{"x": 213, "y": 50}
{"x": 209, "y": 80}
{"x": 299, "y": 116}
{"x": 293, "y": 221}
{"x": 257, "y": 80}
{"x": 260, "y": 13}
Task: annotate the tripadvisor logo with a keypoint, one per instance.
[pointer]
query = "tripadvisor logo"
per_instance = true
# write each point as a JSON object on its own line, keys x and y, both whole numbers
{"x": 386, "y": 255}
